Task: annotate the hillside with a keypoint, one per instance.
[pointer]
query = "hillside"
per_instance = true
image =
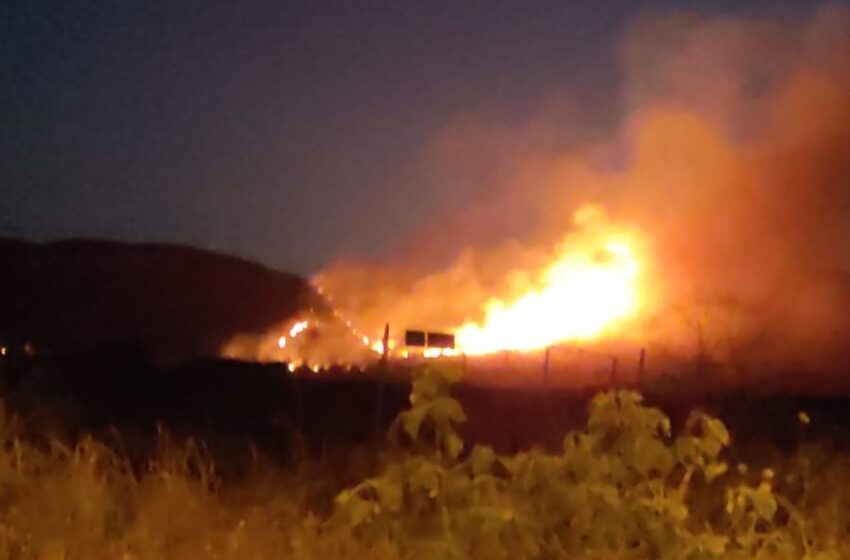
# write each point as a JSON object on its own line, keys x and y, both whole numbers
{"x": 169, "y": 301}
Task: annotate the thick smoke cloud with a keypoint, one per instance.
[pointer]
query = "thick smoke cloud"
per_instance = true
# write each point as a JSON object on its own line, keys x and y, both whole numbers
{"x": 733, "y": 158}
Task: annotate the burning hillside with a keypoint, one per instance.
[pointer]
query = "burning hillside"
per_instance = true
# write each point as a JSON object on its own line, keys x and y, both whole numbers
{"x": 714, "y": 220}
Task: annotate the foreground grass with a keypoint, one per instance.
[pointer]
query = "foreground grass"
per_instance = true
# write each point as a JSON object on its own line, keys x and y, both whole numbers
{"x": 625, "y": 486}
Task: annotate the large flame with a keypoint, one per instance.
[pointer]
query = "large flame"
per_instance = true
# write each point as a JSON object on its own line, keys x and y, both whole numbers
{"x": 584, "y": 293}
{"x": 587, "y": 288}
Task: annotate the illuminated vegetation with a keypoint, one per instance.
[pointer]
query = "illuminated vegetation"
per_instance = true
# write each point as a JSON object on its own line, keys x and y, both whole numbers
{"x": 628, "y": 485}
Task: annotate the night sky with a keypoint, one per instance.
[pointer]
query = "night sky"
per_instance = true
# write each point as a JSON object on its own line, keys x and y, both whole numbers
{"x": 287, "y": 132}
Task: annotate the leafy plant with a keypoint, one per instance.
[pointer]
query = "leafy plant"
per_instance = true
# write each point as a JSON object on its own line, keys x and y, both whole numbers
{"x": 626, "y": 486}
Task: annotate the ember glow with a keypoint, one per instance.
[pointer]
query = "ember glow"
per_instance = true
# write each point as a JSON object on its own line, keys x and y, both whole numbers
{"x": 583, "y": 294}
{"x": 297, "y": 328}
{"x": 439, "y": 352}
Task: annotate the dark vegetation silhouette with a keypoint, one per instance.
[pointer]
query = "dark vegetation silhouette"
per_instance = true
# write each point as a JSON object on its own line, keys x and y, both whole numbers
{"x": 173, "y": 302}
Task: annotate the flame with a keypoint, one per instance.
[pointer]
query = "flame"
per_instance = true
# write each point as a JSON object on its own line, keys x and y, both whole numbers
{"x": 581, "y": 296}
{"x": 378, "y": 347}
{"x": 439, "y": 352}
{"x": 584, "y": 289}
{"x": 297, "y": 328}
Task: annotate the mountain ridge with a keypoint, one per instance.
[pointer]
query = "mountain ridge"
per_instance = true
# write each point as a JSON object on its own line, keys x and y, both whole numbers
{"x": 172, "y": 301}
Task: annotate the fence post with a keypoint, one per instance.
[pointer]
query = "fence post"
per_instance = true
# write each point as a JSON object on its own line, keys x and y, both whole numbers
{"x": 382, "y": 372}
{"x": 614, "y": 371}
{"x": 385, "y": 344}
{"x": 641, "y": 365}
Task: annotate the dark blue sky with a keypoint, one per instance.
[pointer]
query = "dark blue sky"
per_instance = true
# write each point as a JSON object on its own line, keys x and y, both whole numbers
{"x": 288, "y": 132}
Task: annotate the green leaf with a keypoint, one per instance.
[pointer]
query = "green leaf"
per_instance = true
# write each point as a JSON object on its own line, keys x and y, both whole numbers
{"x": 356, "y": 509}
{"x": 447, "y": 409}
{"x": 454, "y": 445}
{"x": 411, "y": 420}
{"x": 713, "y": 544}
{"x": 390, "y": 494}
{"x": 713, "y": 470}
{"x": 763, "y": 502}
{"x": 425, "y": 476}
{"x": 482, "y": 459}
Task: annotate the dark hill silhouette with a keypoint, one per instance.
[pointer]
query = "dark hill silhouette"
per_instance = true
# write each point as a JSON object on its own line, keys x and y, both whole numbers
{"x": 171, "y": 302}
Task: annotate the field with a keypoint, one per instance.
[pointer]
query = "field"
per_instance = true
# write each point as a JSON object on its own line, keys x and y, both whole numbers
{"x": 628, "y": 482}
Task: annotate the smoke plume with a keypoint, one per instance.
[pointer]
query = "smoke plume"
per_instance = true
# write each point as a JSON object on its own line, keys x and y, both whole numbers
{"x": 732, "y": 159}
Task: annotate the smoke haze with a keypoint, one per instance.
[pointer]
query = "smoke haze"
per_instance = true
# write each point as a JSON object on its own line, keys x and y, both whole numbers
{"x": 732, "y": 159}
